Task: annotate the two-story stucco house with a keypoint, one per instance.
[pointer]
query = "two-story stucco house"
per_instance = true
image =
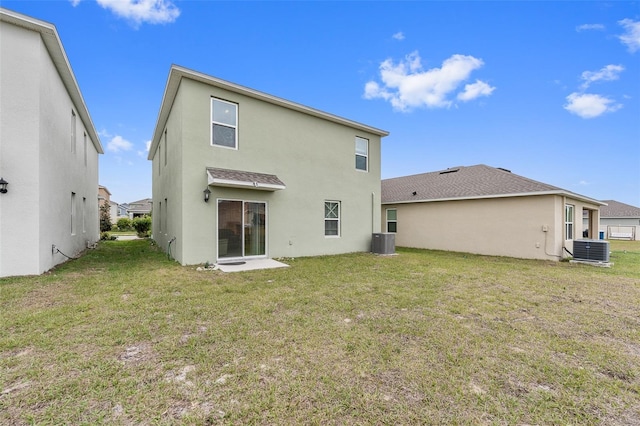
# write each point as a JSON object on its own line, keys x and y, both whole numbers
{"x": 241, "y": 174}
{"x": 48, "y": 151}
{"x": 486, "y": 210}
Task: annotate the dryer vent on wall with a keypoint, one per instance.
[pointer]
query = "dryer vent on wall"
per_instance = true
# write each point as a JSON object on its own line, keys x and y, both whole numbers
{"x": 592, "y": 250}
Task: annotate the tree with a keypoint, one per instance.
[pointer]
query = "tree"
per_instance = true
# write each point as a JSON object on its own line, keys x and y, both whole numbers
{"x": 105, "y": 218}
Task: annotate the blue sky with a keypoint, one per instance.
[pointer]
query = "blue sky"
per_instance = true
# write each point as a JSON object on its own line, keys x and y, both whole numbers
{"x": 548, "y": 90}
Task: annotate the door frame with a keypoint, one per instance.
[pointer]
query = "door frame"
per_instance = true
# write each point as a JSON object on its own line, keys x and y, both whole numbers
{"x": 266, "y": 228}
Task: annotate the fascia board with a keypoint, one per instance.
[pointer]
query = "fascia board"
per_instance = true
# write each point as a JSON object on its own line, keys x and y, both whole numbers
{"x": 244, "y": 184}
{"x": 485, "y": 197}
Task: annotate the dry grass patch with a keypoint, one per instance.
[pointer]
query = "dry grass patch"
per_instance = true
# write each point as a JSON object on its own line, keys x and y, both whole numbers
{"x": 124, "y": 336}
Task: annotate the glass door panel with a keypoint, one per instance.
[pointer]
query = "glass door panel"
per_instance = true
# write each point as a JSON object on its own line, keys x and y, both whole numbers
{"x": 229, "y": 228}
{"x": 254, "y": 229}
{"x": 241, "y": 229}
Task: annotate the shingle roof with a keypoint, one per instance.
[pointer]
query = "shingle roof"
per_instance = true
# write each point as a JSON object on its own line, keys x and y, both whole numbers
{"x": 618, "y": 209}
{"x": 228, "y": 177}
{"x": 478, "y": 181}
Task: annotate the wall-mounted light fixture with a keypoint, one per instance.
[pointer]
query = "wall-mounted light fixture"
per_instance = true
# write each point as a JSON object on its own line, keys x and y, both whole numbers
{"x": 3, "y": 185}
{"x": 206, "y": 192}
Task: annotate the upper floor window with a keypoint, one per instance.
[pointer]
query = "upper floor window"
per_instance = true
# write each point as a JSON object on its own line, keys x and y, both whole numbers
{"x": 568, "y": 222}
{"x": 332, "y": 218}
{"x": 392, "y": 220}
{"x": 224, "y": 123}
{"x": 362, "y": 154}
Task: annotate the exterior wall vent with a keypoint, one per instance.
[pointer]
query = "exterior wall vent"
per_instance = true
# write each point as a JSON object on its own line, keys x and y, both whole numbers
{"x": 383, "y": 243}
{"x": 591, "y": 250}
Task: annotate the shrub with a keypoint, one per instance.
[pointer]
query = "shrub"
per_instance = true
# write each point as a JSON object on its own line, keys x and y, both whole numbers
{"x": 105, "y": 218}
{"x": 142, "y": 225}
{"x": 125, "y": 224}
{"x": 105, "y": 236}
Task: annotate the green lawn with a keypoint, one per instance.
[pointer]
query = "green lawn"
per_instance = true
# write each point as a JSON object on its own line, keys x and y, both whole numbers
{"x": 125, "y": 336}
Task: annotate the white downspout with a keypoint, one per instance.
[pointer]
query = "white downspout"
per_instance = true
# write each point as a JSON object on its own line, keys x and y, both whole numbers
{"x": 373, "y": 212}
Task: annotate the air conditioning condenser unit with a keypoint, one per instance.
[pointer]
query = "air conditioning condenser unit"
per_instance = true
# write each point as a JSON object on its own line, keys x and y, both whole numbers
{"x": 383, "y": 243}
{"x": 591, "y": 250}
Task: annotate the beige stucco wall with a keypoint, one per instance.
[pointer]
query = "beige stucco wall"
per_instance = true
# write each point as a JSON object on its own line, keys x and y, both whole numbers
{"x": 315, "y": 158}
{"x": 513, "y": 226}
{"x": 36, "y": 160}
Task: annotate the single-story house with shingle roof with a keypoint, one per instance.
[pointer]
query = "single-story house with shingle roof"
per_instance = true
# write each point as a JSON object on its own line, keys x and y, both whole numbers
{"x": 485, "y": 210}
{"x": 619, "y": 220}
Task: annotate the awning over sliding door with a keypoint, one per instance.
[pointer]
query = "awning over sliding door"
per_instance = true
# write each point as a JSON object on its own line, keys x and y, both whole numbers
{"x": 242, "y": 179}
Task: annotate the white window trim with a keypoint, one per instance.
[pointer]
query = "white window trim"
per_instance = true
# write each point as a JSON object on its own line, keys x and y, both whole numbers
{"x": 212, "y": 122}
{"x": 391, "y": 221}
{"x": 331, "y": 219}
{"x": 366, "y": 156}
{"x": 571, "y": 222}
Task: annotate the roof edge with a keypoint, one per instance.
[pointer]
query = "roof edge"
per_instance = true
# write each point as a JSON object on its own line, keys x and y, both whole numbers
{"x": 58, "y": 55}
{"x": 176, "y": 73}
{"x": 484, "y": 197}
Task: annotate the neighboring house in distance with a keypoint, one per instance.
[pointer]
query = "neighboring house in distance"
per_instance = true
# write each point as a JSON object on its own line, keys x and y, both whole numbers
{"x": 117, "y": 211}
{"x": 619, "y": 221}
{"x": 281, "y": 179}
{"x": 485, "y": 210}
{"x": 139, "y": 208}
{"x": 48, "y": 151}
{"x": 104, "y": 196}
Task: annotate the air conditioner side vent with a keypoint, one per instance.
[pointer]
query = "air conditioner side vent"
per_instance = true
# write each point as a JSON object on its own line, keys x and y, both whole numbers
{"x": 591, "y": 250}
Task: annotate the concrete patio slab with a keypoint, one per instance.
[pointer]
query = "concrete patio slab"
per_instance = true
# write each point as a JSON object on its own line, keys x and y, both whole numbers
{"x": 250, "y": 265}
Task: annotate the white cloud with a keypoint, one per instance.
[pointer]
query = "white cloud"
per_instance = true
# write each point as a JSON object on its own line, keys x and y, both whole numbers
{"x": 74, "y": 3}
{"x": 141, "y": 11}
{"x": 586, "y": 105}
{"x": 631, "y": 36}
{"x": 587, "y": 27}
{"x": 406, "y": 85}
{"x": 104, "y": 133}
{"x": 608, "y": 73}
{"x": 398, "y": 36}
{"x": 475, "y": 90}
{"x": 144, "y": 153}
{"x": 118, "y": 143}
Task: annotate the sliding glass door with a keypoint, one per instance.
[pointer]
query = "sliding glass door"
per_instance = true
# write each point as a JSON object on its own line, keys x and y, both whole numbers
{"x": 241, "y": 229}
